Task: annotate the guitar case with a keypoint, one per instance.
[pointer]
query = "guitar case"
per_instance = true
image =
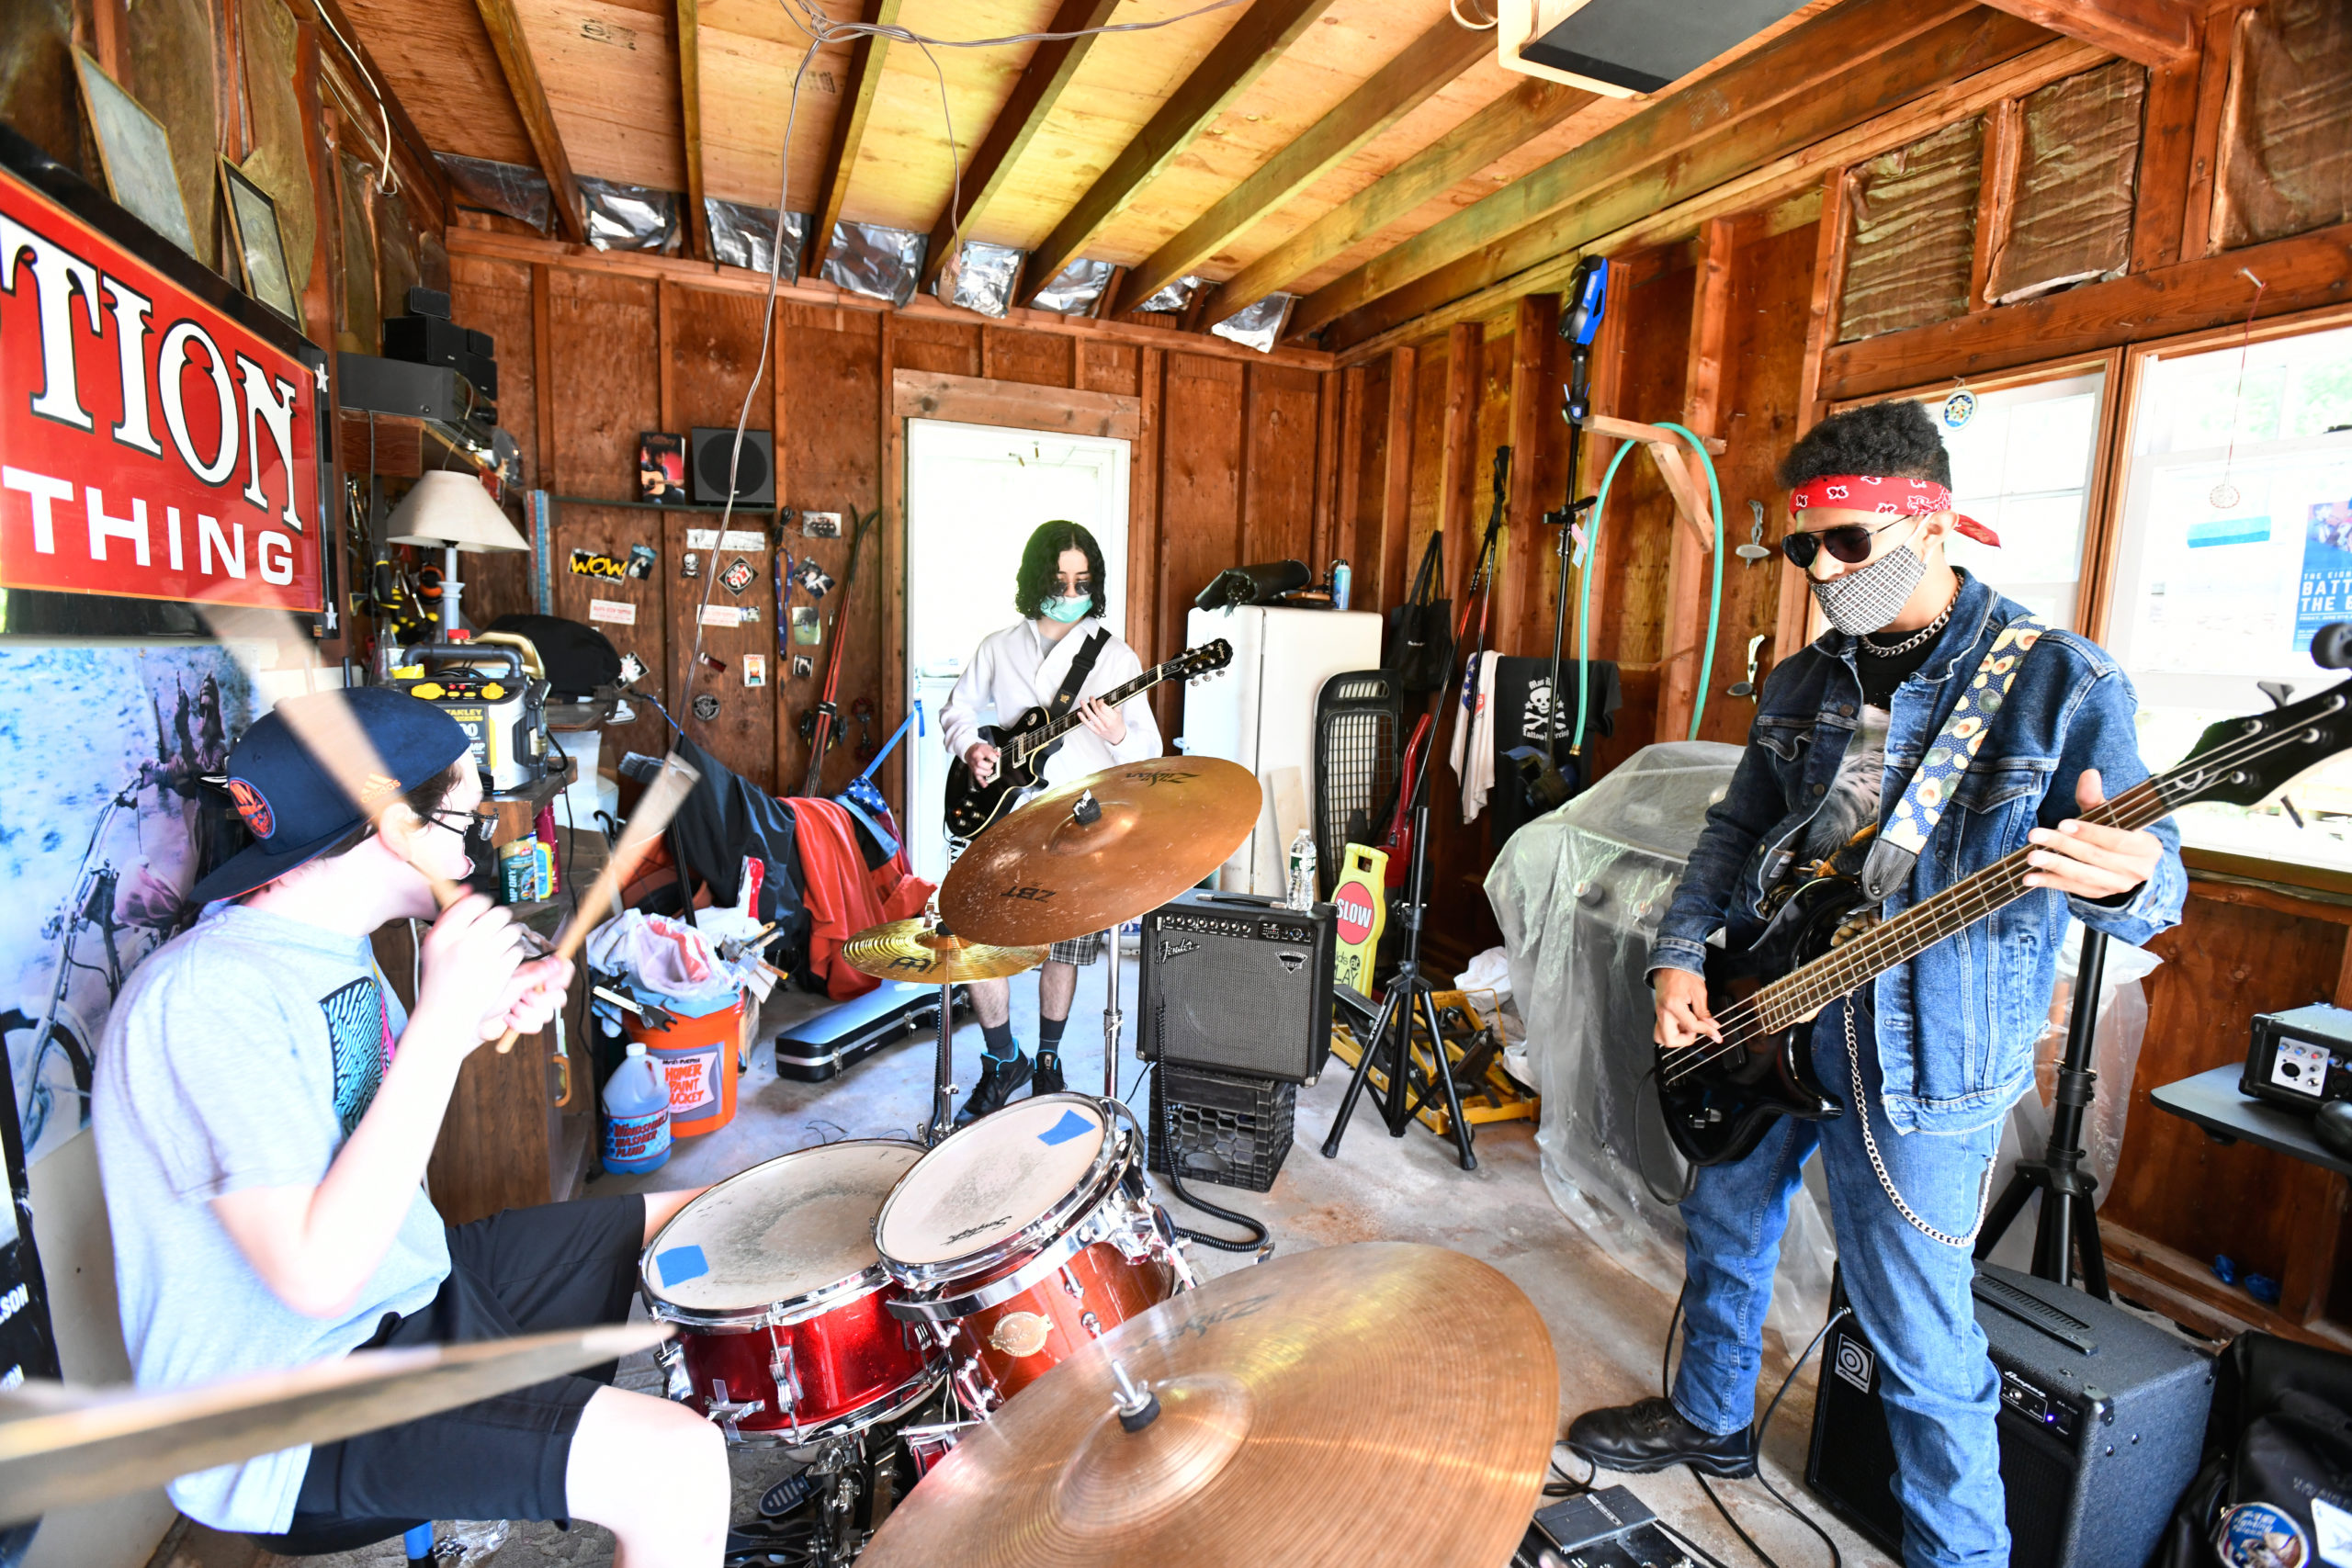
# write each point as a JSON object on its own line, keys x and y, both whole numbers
{"x": 819, "y": 1047}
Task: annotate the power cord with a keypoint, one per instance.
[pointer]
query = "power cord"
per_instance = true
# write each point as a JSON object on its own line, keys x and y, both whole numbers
{"x": 1642, "y": 1169}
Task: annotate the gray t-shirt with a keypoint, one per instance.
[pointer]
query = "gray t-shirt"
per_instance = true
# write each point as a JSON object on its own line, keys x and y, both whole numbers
{"x": 241, "y": 1053}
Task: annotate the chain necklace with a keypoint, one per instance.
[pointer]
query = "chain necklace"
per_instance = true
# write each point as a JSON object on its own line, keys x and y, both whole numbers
{"x": 1914, "y": 641}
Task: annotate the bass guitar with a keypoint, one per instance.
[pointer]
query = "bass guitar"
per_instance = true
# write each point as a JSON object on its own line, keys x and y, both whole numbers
{"x": 1720, "y": 1096}
{"x": 1024, "y": 745}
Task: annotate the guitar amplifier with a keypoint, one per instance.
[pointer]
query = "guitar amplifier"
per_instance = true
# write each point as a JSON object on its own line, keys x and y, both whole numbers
{"x": 2300, "y": 1058}
{"x": 2102, "y": 1420}
{"x": 1238, "y": 982}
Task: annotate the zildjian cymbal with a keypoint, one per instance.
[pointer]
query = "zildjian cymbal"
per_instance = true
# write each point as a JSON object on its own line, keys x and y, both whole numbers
{"x": 919, "y": 952}
{"x": 1378, "y": 1405}
{"x": 1100, "y": 851}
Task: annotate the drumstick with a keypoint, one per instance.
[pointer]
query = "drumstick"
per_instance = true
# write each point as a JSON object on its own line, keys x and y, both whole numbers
{"x": 645, "y": 822}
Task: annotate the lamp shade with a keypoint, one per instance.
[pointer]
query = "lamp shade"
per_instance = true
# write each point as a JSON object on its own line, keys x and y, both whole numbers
{"x": 451, "y": 509}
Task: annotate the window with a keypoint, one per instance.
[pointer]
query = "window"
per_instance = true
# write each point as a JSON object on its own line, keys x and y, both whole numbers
{"x": 2235, "y": 546}
{"x": 2021, "y": 465}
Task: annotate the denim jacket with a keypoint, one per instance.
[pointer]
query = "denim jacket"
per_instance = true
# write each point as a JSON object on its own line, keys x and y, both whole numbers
{"x": 1956, "y": 1025}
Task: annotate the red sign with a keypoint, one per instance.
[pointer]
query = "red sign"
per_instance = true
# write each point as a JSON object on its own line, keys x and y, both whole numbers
{"x": 151, "y": 446}
{"x": 1353, "y": 904}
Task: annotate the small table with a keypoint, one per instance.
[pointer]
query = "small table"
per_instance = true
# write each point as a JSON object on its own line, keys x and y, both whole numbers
{"x": 2212, "y": 1101}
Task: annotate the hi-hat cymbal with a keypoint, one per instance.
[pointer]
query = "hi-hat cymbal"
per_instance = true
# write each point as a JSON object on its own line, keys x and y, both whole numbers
{"x": 1044, "y": 874}
{"x": 60, "y": 1444}
{"x": 917, "y": 952}
{"x": 1377, "y": 1405}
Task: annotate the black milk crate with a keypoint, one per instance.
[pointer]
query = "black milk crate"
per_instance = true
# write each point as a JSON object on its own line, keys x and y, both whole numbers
{"x": 1226, "y": 1127}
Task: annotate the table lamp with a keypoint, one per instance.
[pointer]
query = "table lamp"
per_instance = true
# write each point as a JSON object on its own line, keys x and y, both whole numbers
{"x": 452, "y": 510}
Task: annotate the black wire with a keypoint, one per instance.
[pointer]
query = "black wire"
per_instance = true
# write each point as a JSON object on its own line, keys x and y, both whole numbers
{"x": 1176, "y": 1184}
{"x": 1641, "y": 1166}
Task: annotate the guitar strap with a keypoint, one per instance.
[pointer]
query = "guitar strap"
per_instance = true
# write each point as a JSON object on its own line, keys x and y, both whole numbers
{"x": 1898, "y": 848}
{"x": 1081, "y": 665}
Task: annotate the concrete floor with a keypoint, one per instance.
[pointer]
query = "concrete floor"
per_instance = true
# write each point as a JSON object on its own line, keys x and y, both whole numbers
{"x": 1606, "y": 1325}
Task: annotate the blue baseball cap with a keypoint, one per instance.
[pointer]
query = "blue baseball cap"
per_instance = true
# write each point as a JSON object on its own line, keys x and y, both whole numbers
{"x": 296, "y": 809}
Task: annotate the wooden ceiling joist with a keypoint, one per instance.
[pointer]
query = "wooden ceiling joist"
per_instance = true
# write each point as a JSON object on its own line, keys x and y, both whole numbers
{"x": 513, "y": 52}
{"x": 1050, "y": 71}
{"x": 1529, "y": 109}
{"x": 857, "y": 111}
{"x": 2156, "y": 33}
{"x": 690, "y": 120}
{"x": 1848, "y": 66}
{"x": 1265, "y": 32}
{"x": 1424, "y": 66}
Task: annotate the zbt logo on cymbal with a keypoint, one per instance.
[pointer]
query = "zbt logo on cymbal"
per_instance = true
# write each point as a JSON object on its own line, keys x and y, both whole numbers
{"x": 1034, "y": 895}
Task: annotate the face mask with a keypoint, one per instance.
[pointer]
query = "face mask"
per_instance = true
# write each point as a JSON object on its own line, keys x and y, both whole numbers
{"x": 1864, "y": 600}
{"x": 1068, "y": 608}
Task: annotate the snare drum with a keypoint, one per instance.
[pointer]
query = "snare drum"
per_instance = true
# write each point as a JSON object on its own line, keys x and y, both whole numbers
{"x": 772, "y": 1278}
{"x": 1025, "y": 1236}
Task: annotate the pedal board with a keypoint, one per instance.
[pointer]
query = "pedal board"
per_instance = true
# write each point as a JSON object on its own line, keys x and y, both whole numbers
{"x": 1610, "y": 1529}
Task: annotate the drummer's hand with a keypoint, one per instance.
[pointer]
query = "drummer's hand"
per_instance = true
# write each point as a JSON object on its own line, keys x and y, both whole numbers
{"x": 533, "y": 996}
{"x": 1104, "y": 721}
{"x": 980, "y": 757}
{"x": 1682, "y": 1016}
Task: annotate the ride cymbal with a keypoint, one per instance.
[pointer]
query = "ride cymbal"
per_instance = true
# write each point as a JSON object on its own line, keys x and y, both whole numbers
{"x": 1053, "y": 871}
{"x": 919, "y": 952}
{"x": 1376, "y": 1405}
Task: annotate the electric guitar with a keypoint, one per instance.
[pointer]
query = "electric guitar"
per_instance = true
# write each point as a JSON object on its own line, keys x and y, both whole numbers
{"x": 1720, "y": 1098}
{"x": 1024, "y": 744}
{"x": 1397, "y": 842}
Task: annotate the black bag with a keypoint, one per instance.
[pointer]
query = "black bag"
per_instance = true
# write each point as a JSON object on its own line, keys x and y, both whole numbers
{"x": 1420, "y": 631}
{"x": 577, "y": 656}
{"x": 2279, "y": 1433}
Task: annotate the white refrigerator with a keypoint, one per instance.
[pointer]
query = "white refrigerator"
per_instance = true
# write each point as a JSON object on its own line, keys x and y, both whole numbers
{"x": 1262, "y": 717}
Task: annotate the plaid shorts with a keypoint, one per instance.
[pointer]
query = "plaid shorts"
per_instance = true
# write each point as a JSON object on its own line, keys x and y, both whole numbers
{"x": 1078, "y": 950}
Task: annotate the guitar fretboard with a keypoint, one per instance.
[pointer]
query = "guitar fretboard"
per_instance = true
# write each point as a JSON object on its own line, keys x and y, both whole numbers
{"x": 1039, "y": 740}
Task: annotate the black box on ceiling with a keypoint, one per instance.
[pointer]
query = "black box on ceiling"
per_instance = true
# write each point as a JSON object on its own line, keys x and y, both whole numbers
{"x": 709, "y": 452}
{"x": 1640, "y": 46}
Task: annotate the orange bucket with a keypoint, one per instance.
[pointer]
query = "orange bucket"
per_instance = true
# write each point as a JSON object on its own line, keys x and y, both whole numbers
{"x": 696, "y": 1056}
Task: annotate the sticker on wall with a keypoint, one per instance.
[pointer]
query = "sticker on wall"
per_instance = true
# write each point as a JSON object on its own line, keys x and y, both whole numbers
{"x": 713, "y": 663}
{"x": 1958, "y": 409}
{"x": 632, "y": 667}
{"x": 616, "y": 612}
{"x": 803, "y": 667}
{"x": 722, "y": 615}
{"x": 755, "y": 670}
{"x": 815, "y": 579}
{"x": 808, "y": 630}
{"x": 820, "y": 524}
{"x": 641, "y": 561}
{"x": 733, "y": 539}
{"x": 706, "y": 707}
{"x": 749, "y": 615}
{"x": 690, "y": 567}
{"x": 596, "y": 563}
{"x": 737, "y": 575}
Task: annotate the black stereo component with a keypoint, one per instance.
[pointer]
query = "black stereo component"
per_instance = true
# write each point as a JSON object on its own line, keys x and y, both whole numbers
{"x": 2301, "y": 1058}
{"x": 369, "y": 385}
{"x": 708, "y": 454}
{"x": 2102, "y": 1419}
{"x": 1238, "y": 982}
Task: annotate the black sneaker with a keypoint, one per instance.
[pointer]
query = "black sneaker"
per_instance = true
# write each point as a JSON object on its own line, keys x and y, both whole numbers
{"x": 1048, "y": 1079}
{"x": 1000, "y": 1081}
{"x": 1634, "y": 1440}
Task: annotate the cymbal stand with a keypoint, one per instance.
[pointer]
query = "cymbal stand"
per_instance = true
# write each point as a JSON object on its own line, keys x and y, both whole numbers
{"x": 1114, "y": 1021}
{"x": 942, "y": 1092}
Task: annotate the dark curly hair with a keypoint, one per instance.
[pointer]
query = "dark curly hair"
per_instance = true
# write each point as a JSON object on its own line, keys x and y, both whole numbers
{"x": 1041, "y": 560}
{"x": 1895, "y": 439}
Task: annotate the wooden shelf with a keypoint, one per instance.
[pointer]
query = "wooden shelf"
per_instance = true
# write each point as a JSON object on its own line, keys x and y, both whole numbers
{"x": 741, "y": 511}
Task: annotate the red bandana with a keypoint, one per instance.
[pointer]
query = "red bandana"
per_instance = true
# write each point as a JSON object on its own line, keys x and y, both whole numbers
{"x": 1888, "y": 498}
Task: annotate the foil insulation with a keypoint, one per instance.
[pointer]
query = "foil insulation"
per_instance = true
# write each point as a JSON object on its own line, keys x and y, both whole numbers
{"x": 881, "y": 263}
{"x": 510, "y": 191}
{"x": 982, "y": 277}
{"x": 1076, "y": 290}
{"x": 2286, "y": 158}
{"x": 1914, "y": 238}
{"x": 1258, "y": 326}
{"x": 629, "y": 218}
{"x": 1172, "y": 296}
{"x": 743, "y": 235}
{"x": 2077, "y": 183}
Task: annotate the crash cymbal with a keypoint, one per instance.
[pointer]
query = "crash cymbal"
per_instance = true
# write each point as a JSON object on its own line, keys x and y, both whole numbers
{"x": 918, "y": 951}
{"x": 60, "y": 1444}
{"x": 1043, "y": 874}
{"x": 1376, "y": 1405}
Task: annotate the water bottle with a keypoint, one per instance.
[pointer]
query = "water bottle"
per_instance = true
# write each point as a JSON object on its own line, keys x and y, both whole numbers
{"x": 1342, "y": 579}
{"x": 636, "y": 1115}
{"x": 1302, "y": 870}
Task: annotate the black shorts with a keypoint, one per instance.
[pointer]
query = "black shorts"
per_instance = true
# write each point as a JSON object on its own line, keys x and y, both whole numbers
{"x": 523, "y": 1271}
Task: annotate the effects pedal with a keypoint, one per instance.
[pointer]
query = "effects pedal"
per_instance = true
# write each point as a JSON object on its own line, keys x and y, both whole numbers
{"x": 2300, "y": 1058}
{"x": 1609, "y": 1529}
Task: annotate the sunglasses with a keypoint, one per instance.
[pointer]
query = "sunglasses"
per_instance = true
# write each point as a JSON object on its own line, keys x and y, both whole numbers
{"x": 1849, "y": 542}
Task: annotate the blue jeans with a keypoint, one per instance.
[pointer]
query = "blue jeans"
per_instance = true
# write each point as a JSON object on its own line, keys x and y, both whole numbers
{"x": 1910, "y": 1293}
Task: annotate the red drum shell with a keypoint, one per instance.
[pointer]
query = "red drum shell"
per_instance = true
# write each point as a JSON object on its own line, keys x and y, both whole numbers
{"x": 849, "y": 1358}
{"x": 1116, "y": 1289}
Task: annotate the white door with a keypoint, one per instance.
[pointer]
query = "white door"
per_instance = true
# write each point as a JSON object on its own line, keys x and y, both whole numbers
{"x": 975, "y": 492}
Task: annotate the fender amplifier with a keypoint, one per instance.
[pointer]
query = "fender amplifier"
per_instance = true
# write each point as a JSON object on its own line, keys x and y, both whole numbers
{"x": 2101, "y": 1424}
{"x": 1238, "y": 982}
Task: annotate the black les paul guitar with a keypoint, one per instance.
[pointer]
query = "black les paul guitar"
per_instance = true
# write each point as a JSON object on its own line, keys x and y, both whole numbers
{"x": 1720, "y": 1098}
{"x": 1024, "y": 745}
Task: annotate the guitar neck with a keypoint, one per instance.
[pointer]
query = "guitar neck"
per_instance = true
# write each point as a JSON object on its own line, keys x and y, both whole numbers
{"x": 1039, "y": 740}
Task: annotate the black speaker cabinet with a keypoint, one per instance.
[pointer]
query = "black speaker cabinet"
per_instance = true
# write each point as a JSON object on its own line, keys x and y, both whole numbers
{"x": 706, "y": 457}
{"x": 2102, "y": 1420}
{"x": 1238, "y": 982}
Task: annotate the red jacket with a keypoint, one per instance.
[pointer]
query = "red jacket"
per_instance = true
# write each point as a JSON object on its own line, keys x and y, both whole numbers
{"x": 844, "y": 897}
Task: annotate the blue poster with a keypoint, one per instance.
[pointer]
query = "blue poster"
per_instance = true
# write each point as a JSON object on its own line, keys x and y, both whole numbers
{"x": 2324, "y": 593}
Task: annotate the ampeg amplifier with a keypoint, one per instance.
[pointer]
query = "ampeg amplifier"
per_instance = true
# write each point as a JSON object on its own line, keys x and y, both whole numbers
{"x": 1239, "y": 982}
{"x": 2102, "y": 1419}
{"x": 2301, "y": 1058}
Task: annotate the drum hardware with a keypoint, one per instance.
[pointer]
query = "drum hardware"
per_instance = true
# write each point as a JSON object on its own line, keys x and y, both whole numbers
{"x": 924, "y": 950}
{"x": 1136, "y": 1406}
{"x": 677, "y": 1382}
{"x": 726, "y": 1411}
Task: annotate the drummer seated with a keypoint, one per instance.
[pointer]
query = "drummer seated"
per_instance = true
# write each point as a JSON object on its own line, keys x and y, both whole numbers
{"x": 264, "y": 1109}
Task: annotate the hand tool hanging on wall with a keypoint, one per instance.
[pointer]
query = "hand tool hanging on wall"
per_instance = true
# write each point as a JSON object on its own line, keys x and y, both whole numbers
{"x": 828, "y": 716}
{"x": 1588, "y": 295}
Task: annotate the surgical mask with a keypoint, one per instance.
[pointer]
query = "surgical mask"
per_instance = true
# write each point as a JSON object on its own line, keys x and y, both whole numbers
{"x": 1068, "y": 607}
{"x": 1866, "y": 599}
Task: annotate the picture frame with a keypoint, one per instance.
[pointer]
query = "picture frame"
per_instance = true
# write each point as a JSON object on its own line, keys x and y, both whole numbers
{"x": 662, "y": 468}
{"x": 136, "y": 153}
{"x": 259, "y": 243}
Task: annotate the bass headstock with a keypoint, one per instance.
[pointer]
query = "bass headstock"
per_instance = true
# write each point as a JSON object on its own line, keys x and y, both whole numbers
{"x": 2253, "y": 760}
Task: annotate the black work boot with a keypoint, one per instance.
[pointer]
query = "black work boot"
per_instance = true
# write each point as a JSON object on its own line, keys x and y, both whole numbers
{"x": 999, "y": 1082}
{"x": 1634, "y": 1440}
{"x": 1047, "y": 1080}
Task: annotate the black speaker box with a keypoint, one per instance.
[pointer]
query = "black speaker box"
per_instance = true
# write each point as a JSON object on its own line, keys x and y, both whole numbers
{"x": 2102, "y": 1420}
{"x": 706, "y": 457}
{"x": 1238, "y": 982}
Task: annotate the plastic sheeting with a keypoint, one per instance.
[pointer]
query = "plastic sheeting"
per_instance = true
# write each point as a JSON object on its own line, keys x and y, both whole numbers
{"x": 1077, "y": 288}
{"x": 511, "y": 190}
{"x": 981, "y": 277}
{"x": 881, "y": 263}
{"x": 2077, "y": 180}
{"x": 743, "y": 235}
{"x": 1173, "y": 296}
{"x": 629, "y": 218}
{"x": 1258, "y": 326}
{"x": 2286, "y": 161}
{"x": 1578, "y": 893}
{"x": 1913, "y": 237}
